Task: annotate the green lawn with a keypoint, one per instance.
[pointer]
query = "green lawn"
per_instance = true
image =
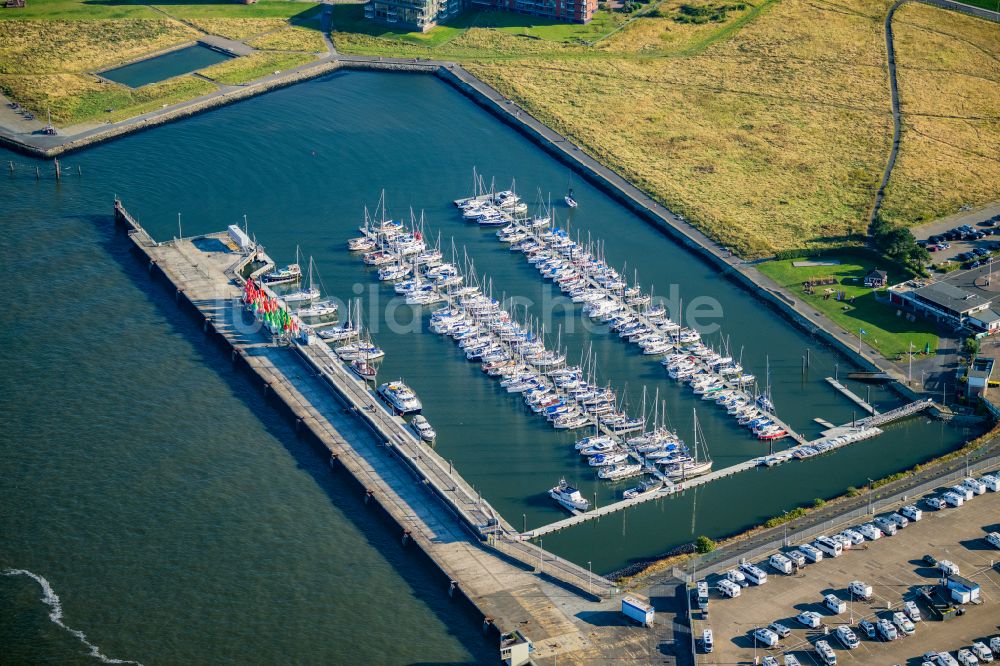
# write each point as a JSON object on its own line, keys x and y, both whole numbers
{"x": 993, "y": 5}
{"x": 350, "y": 18}
{"x": 889, "y": 334}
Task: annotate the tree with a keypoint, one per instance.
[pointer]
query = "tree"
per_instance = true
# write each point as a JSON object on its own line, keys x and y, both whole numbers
{"x": 704, "y": 545}
{"x": 818, "y": 502}
{"x": 970, "y": 346}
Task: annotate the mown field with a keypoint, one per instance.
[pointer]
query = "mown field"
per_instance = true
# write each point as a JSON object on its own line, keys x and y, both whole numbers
{"x": 890, "y": 334}
{"x": 50, "y": 51}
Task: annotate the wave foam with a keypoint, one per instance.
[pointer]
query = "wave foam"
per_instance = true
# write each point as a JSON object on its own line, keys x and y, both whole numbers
{"x": 51, "y": 599}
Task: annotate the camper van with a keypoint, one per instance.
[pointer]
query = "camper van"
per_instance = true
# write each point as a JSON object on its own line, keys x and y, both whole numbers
{"x": 948, "y": 568}
{"x": 811, "y": 553}
{"x": 991, "y": 482}
{"x": 886, "y": 524}
{"x": 993, "y": 538}
{"x": 764, "y": 637}
{"x": 780, "y": 563}
{"x": 834, "y": 604}
{"x": 975, "y": 485}
{"x": 829, "y": 546}
{"x": 953, "y": 499}
{"x": 702, "y": 595}
{"x": 912, "y": 512}
{"x": 860, "y": 590}
{"x": 753, "y": 573}
{"x": 736, "y": 576}
{"x": 706, "y": 641}
{"x": 729, "y": 588}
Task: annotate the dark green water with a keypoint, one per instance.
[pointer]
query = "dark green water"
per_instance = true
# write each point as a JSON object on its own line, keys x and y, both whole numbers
{"x": 165, "y": 66}
{"x": 180, "y": 520}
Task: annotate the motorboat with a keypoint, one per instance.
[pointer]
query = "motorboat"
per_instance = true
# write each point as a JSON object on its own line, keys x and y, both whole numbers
{"x": 569, "y": 497}
{"x": 317, "y": 311}
{"x": 423, "y": 428}
{"x": 648, "y": 487}
{"x": 400, "y": 397}
{"x": 363, "y": 369}
{"x": 616, "y": 472}
{"x": 288, "y": 274}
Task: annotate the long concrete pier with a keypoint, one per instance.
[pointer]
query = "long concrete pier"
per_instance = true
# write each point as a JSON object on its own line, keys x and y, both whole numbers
{"x": 512, "y": 583}
{"x": 854, "y": 397}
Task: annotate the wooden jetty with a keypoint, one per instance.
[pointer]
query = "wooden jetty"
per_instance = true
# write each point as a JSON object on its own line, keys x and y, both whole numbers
{"x": 511, "y": 582}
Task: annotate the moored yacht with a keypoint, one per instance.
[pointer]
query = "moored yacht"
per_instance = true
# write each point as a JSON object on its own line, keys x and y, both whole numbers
{"x": 569, "y": 497}
{"x": 423, "y": 428}
{"x": 400, "y": 397}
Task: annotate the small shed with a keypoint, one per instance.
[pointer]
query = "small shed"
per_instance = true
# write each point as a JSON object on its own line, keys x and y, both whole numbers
{"x": 876, "y": 279}
{"x": 963, "y": 590}
{"x": 515, "y": 648}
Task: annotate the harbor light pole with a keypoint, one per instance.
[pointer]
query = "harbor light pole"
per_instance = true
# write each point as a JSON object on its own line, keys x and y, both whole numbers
{"x": 524, "y": 523}
{"x": 180, "y": 234}
{"x": 590, "y": 577}
{"x": 870, "y": 483}
{"x": 909, "y": 369}
{"x": 784, "y": 538}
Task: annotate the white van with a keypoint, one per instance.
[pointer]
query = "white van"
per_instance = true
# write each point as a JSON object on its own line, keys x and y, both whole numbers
{"x": 912, "y": 512}
{"x": 984, "y": 654}
{"x": 828, "y": 546}
{"x": 899, "y": 519}
{"x": 780, "y": 563}
{"x": 826, "y": 653}
{"x": 886, "y": 524}
{"x": 993, "y": 538}
{"x": 953, "y": 499}
{"x": 991, "y": 482}
{"x": 975, "y": 485}
{"x": 834, "y": 604}
{"x": 706, "y": 640}
{"x": 995, "y": 644}
{"x": 729, "y": 588}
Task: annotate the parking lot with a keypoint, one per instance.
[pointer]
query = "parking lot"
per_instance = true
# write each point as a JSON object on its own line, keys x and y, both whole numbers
{"x": 894, "y": 567}
{"x": 960, "y": 237}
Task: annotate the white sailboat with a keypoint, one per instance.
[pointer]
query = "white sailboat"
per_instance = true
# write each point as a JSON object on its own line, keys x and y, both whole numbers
{"x": 310, "y": 293}
{"x": 686, "y": 469}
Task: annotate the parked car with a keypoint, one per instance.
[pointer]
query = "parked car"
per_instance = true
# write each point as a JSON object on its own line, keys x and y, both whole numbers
{"x": 791, "y": 660}
{"x": 930, "y": 560}
{"x": 770, "y": 661}
{"x": 810, "y": 619}
{"x": 847, "y": 637}
{"x": 867, "y": 628}
{"x": 935, "y": 503}
{"x": 899, "y": 519}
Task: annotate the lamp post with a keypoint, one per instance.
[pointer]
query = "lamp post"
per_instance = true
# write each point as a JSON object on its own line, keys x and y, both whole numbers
{"x": 870, "y": 483}
{"x": 784, "y": 538}
{"x": 590, "y": 577}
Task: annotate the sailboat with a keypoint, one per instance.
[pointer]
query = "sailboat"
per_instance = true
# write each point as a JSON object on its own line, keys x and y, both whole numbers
{"x": 570, "y": 201}
{"x": 349, "y": 329}
{"x": 694, "y": 466}
{"x": 287, "y": 275}
{"x": 311, "y": 293}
